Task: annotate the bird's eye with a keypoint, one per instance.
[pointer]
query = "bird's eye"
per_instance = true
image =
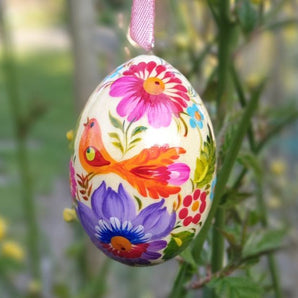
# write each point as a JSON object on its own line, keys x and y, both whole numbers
{"x": 92, "y": 124}
{"x": 90, "y": 153}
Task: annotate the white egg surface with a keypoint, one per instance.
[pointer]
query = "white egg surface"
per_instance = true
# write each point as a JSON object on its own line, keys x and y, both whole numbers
{"x": 142, "y": 173}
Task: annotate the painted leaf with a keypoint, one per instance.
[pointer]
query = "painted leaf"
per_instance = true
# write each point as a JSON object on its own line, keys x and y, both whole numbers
{"x": 177, "y": 244}
{"x": 135, "y": 141}
{"x": 118, "y": 145}
{"x": 138, "y": 130}
{"x": 114, "y": 135}
{"x": 205, "y": 164}
{"x": 115, "y": 122}
{"x": 139, "y": 202}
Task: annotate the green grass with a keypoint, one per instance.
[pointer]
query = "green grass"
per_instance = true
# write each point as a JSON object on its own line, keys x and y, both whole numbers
{"x": 44, "y": 77}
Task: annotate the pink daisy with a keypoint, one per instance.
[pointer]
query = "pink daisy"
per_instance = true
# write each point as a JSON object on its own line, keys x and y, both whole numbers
{"x": 152, "y": 90}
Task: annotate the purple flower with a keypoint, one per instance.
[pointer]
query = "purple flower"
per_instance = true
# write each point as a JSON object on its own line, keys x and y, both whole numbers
{"x": 114, "y": 226}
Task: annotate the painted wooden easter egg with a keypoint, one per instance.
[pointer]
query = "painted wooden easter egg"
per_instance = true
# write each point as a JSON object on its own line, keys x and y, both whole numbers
{"x": 143, "y": 167}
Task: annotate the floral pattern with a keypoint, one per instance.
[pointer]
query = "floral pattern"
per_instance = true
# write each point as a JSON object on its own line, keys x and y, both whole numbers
{"x": 196, "y": 116}
{"x": 193, "y": 207}
{"x": 212, "y": 189}
{"x": 150, "y": 89}
{"x": 113, "y": 225}
{"x": 152, "y": 171}
{"x": 143, "y": 170}
{"x": 72, "y": 180}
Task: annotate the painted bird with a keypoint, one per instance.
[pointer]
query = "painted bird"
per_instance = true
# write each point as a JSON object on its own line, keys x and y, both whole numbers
{"x": 152, "y": 172}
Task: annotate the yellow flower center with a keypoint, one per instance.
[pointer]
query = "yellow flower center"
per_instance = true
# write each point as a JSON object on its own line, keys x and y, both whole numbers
{"x": 197, "y": 116}
{"x": 121, "y": 243}
{"x": 195, "y": 206}
{"x": 154, "y": 86}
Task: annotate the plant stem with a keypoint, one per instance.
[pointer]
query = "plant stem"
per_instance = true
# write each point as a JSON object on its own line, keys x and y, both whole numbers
{"x": 224, "y": 57}
{"x": 21, "y": 150}
{"x": 264, "y": 222}
{"x": 225, "y": 171}
{"x": 224, "y": 60}
{"x": 218, "y": 240}
{"x": 260, "y": 199}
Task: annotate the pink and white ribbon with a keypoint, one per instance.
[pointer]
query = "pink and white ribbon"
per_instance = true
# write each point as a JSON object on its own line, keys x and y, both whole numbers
{"x": 142, "y": 23}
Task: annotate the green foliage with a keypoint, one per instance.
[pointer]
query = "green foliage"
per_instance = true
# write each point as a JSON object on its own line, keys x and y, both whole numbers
{"x": 247, "y": 15}
{"x": 263, "y": 240}
{"x": 123, "y": 142}
{"x": 236, "y": 287}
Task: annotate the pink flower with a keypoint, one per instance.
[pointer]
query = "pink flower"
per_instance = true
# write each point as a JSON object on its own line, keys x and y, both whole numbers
{"x": 152, "y": 90}
{"x": 179, "y": 173}
{"x": 72, "y": 180}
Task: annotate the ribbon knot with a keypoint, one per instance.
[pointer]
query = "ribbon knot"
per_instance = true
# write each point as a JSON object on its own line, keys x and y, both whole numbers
{"x": 142, "y": 23}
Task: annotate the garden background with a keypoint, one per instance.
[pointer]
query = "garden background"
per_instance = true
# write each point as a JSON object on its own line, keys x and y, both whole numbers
{"x": 54, "y": 53}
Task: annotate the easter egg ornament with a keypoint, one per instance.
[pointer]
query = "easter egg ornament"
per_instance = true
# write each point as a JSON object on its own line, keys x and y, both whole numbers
{"x": 143, "y": 169}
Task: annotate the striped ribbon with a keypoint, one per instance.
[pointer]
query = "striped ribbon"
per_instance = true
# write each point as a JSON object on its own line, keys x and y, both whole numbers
{"x": 142, "y": 23}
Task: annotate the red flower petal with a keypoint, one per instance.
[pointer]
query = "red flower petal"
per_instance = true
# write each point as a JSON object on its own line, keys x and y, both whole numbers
{"x": 202, "y": 206}
{"x": 187, "y": 201}
{"x": 183, "y": 213}
{"x": 196, "y": 218}
{"x": 187, "y": 221}
{"x": 196, "y": 194}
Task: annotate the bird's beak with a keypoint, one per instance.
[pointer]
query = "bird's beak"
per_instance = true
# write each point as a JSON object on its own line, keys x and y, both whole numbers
{"x": 87, "y": 122}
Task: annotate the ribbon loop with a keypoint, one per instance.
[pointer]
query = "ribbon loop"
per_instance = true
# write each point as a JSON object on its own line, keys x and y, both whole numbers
{"x": 142, "y": 23}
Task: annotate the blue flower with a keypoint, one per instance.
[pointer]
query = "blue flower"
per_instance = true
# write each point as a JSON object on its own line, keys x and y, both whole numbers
{"x": 114, "y": 226}
{"x": 212, "y": 189}
{"x": 196, "y": 115}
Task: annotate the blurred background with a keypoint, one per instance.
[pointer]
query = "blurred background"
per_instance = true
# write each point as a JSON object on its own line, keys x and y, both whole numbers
{"x": 58, "y": 51}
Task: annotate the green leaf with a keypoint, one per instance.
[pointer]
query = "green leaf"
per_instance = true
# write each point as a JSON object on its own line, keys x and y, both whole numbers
{"x": 262, "y": 241}
{"x": 188, "y": 257}
{"x": 177, "y": 244}
{"x": 118, "y": 145}
{"x": 232, "y": 234}
{"x": 135, "y": 141}
{"x": 210, "y": 92}
{"x": 234, "y": 197}
{"x": 115, "y": 122}
{"x": 205, "y": 164}
{"x": 139, "y": 202}
{"x": 138, "y": 130}
{"x": 114, "y": 135}
{"x": 247, "y": 15}
{"x": 179, "y": 290}
{"x": 235, "y": 287}
{"x": 250, "y": 161}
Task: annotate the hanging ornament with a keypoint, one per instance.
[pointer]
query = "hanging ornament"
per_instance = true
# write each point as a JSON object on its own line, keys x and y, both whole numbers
{"x": 143, "y": 170}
